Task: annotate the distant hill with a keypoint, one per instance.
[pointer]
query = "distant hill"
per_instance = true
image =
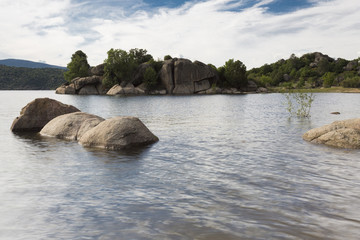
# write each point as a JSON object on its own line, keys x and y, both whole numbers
{"x": 21, "y": 78}
{"x": 27, "y": 64}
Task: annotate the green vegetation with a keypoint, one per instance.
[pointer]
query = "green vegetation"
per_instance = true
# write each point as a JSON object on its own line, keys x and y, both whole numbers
{"x": 299, "y": 103}
{"x": 120, "y": 65}
{"x": 78, "y": 67}
{"x": 312, "y": 70}
{"x": 150, "y": 78}
{"x": 20, "y": 78}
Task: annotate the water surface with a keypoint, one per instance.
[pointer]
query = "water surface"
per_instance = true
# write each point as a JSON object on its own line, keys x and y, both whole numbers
{"x": 226, "y": 167}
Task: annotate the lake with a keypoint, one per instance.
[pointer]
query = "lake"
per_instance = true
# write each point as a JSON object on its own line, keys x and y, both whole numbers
{"x": 226, "y": 167}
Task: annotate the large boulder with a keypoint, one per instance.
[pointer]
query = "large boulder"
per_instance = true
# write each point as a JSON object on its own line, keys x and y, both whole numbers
{"x": 81, "y": 82}
{"x": 129, "y": 89}
{"x": 139, "y": 74}
{"x": 89, "y": 90}
{"x": 341, "y": 134}
{"x": 98, "y": 70}
{"x": 36, "y": 114}
{"x": 182, "y": 76}
{"x": 71, "y": 126}
{"x": 66, "y": 89}
{"x": 118, "y": 133}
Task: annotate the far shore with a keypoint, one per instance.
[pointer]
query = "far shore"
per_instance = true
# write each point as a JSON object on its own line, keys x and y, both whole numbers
{"x": 315, "y": 90}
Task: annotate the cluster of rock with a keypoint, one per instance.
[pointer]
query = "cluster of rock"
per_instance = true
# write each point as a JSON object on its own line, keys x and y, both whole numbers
{"x": 55, "y": 119}
{"x": 177, "y": 76}
{"x": 341, "y": 134}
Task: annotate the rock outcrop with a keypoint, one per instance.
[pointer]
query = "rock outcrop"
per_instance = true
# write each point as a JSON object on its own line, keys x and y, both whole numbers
{"x": 118, "y": 133}
{"x": 129, "y": 89}
{"x": 341, "y": 134}
{"x": 36, "y": 114}
{"x": 181, "y": 76}
{"x": 71, "y": 126}
{"x": 83, "y": 86}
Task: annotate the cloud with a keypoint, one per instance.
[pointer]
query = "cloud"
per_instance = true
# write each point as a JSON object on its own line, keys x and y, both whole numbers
{"x": 210, "y": 31}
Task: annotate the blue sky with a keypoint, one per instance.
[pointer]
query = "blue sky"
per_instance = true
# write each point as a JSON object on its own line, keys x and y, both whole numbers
{"x": 212, "y": 31}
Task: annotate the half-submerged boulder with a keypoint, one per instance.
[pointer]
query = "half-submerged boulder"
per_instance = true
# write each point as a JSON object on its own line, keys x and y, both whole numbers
{"x": 341, "y": 134}
{"x": 36, "y": 114}
{"x": 118, "y": 133}
{"x": 71, "y": 126}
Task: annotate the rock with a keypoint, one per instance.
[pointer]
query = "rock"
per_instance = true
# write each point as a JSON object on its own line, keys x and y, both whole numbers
{"x": 118, "y": 133}
{"x": 351, "y": 65}
{"x": 129, "y": 89}
{"x": 36, "y": 114}
{"x": 139, "y": 74}
{"x": 214, "y": 90}
{"x": 167, "y": 75}
{"x": 336, "y": 113}
{"x": 186, "y": 73}
{"x": 89, "y": 90}
{"x": 81, "y": 82}
{"x": 181, "y": 76}
{"x": 98, "y": 70}
{"x": 201, "y": 85}
{"x": 116, "y": 89}
{"x": 71, "y": 126}
{"x": 341, "y": 134}
{"x": 262, "y": 90}
{"x": 251, "y": 86}
{"x": 66, "y": 89}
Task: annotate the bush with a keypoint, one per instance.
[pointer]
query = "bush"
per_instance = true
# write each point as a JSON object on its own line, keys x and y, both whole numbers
{"x": 351, "y": 82}
{"x": 150, "y": 78}
{"x": 328, "y": 79}
{"x": 299, "y": 103}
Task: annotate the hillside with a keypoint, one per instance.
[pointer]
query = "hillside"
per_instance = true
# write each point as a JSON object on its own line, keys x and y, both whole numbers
{"x": 27, "y": 64}
{"x": 312, "y": 70}
{"x": 20, "y": 78}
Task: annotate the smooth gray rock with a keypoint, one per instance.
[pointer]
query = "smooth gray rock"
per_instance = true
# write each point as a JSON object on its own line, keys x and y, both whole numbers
{"x": 118, "y": 133}
{"x": 70, "y": 126}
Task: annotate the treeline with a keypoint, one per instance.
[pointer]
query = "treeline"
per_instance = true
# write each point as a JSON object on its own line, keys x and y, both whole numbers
{"x": 312, "y": 70}
{"x": 20, "y": 78}
{"x": 122, "y": 67}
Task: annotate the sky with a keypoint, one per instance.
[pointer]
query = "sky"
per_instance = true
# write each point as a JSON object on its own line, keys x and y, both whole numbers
{"x": 255, "y": 32}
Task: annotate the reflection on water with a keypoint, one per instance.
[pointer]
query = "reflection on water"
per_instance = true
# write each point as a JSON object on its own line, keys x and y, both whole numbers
{"x": 226, "y": 167}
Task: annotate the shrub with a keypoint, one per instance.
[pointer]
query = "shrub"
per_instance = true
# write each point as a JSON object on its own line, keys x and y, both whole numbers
{"x": 150, "y": 78}
{"x": 235, "y": 73}
{"x": 351, "y": 82}
{"x": 299, "y": 103}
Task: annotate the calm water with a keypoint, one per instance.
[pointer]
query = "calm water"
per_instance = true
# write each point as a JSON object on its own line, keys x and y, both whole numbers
{"x": 226, "y": 167}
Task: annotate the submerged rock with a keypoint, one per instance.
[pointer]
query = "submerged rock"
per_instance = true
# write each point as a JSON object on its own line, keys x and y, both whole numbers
{"x": 341, "y": 134}
{"x": 118, "y": 133}
{"x": 71, "y": 126}
{"x": 36, "y": 114}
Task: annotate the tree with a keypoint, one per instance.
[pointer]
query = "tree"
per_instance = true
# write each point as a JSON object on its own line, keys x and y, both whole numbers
{"x": 140, "y": 55}
{"x": 328, "y": 79}
{"x": 119, "y": 66}
{"x": 235, "y": 73}
{"x": 78, "y": 67}
{"x": 167, "y": 57}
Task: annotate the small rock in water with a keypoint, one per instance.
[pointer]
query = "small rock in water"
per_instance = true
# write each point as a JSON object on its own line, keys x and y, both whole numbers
{"x": 336, "y": 113}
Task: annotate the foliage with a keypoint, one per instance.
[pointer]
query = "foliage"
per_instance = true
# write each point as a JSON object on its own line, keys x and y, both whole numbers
{"x": 78, "y": 67}
{"x": 308, "y": 71}
{"x": 299, "y": 103}
{"x": 13, "y": 78}
{"x": 235, "y": 73}
{"x": 328, "y": 79}
{"x": 150, "y": 78}
{"x": 121, "y": 65}
{"x": 351, "y": 82}
{"x": 167, "y": 57}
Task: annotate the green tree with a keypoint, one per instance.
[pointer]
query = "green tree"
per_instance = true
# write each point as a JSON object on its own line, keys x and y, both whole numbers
{"x": 140, "y": 55}
{"x": 150, "y": 78}
{"x": 167, "y": 57}
{"x": 235, "y": 73}
{"x": 78, "y": 67}
{"x": 119, "y": 67}
{"x": 328, "y": 79}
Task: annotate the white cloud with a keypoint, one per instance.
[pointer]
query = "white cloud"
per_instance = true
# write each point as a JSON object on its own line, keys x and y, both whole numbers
{"x": 206, "y": 31}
